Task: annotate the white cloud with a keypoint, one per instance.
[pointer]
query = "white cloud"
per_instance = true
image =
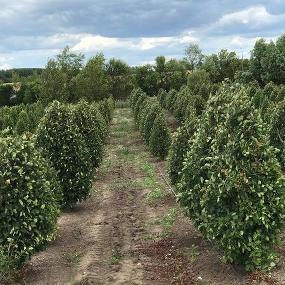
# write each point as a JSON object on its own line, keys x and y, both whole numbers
{"x": 4, "y": 66}
{"x": 88, "y": 43}
{"x": 91, "y": 43}
{"x": 254, "y": 15}
{"x": 153, "y": 42}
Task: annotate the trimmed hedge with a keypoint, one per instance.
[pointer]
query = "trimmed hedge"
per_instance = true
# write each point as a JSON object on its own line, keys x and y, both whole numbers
{"x": 232, "y": 185}
{"x": 24, "y": 124}
{"x": 29, "y": 200}
{"x": 61, "y": 143}
{"x": 179, "y": 148}
{"x": 155, "y": 132}
{"x": 160, "y": 138}
{"x": 90, "y": 130}
{"x": 277, "y": 132}
{"x": 136, "y": 93}
{"x": 106, "y": 108}
{"x": 21, "y": 118}
{"x": 154, "y": 111}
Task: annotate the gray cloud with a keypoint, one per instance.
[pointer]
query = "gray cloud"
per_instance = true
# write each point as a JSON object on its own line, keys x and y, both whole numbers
{"x": 33, "y": 30}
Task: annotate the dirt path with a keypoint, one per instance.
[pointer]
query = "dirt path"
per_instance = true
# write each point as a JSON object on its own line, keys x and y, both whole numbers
{"x": 130, "y": 231}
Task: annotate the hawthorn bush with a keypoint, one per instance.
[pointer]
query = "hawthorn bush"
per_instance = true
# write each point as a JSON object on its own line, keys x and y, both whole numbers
{"x": 231, "y": 184}
{"x": 62, "y": 143}
{"x": 29, "y": 200}
{"x": 160, "y": 138}
{"x": 86, "y": 122}
{"x": 179, "y": 147}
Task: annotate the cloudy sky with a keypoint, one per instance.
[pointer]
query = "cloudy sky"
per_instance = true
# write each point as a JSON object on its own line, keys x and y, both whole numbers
{"x": 136, "y": 31}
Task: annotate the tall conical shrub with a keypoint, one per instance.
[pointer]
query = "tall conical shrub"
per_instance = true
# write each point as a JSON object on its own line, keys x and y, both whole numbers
{"x": 62, "y": 143}
{"x": 29, "y": 199}
{"x": 232, "y": 185}
{"x": 160, "y": 138}
{"x": 89, "y": 129}
{"x": 179, "y": 147}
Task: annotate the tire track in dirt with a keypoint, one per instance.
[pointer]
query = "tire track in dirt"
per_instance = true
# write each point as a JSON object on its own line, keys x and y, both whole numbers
{"x": 97, "y": 239}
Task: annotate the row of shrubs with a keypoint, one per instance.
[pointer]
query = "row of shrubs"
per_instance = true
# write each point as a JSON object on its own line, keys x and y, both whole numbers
{"x": 150, "y": 120}
{"x": 21, "y": 118}
{"x": 228, "y": 178}
{"x": 42, "y": 173}
{"x": 191, "y": 98}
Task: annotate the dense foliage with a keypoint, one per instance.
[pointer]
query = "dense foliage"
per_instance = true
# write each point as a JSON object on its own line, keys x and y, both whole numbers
{"x": 179, "y": 147}
{"x": 277, "y": 132}
{"x": 62, "y": 143}
{"x": 160, "y": 138}
{"x": 232, "y": 185}
{"x": 29, "y": 203}
{"x": 89, "y": 128}
{"x": 21, "y": 118}
{"x": 151, "y": 122}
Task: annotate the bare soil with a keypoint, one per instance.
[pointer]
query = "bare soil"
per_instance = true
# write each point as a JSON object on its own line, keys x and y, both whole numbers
{"x": 131, "y": 231}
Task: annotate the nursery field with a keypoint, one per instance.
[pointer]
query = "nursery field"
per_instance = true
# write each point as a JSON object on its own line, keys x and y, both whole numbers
{"x": 169, "y": 173}
{"x": 131, "y": 230}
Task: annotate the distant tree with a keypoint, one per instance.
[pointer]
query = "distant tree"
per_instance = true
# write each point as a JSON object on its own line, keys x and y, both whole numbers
{"x": 70, "y": 63}
{"x": 93, "y": 82}
{"x": 223, "y": 65}
{"x": 147, "y": 79}
{"x": 58, "y": 75}
{"x": 160, "y": 64}
{"x": 120, "y": 78}
{"x": 273, "y": 65}
{"x": 257, "y": 54}
{"x": 194, "y": 55}
{"x": 5, "y": 94}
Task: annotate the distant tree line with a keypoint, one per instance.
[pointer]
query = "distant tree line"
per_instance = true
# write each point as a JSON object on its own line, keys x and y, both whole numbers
{"x": 6, "y": 76}
{"x": 67, "y": 78}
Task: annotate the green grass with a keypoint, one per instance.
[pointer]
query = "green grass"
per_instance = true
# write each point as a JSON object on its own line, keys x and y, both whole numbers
{"x": 116, "y": 257}
{"x": 167, "y": 220}
{"x": 72, "y": 258}
{"x": 154, "y": 195}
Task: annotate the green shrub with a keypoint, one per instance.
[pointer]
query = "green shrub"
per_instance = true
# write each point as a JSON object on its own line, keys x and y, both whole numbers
{"x": 136, "y": 93}
{"x": 99, "y": 120}
{"x": 145, "y": 107}
{"x": 106, "y": 107}
{"x": 138, "y": 105}
{"x": 86, "y": 122}
{"x": 63, "y": 145}
{"x": 231, "y": 184}
{"x": 179, "y": 148}
{"x": 29, "y": 196}
{"x": 170, "y": 99}
{"x": 199, "y": 83}
{"x": 154, "y": 110}
{"x": 160, "y": 138}
{"x": 161, "y": 96}
{"x": 7, "y": 122}
{"x": 24, "y": 123}
{"x": 180, "y": 104}
{"x": 277, "y": 132}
